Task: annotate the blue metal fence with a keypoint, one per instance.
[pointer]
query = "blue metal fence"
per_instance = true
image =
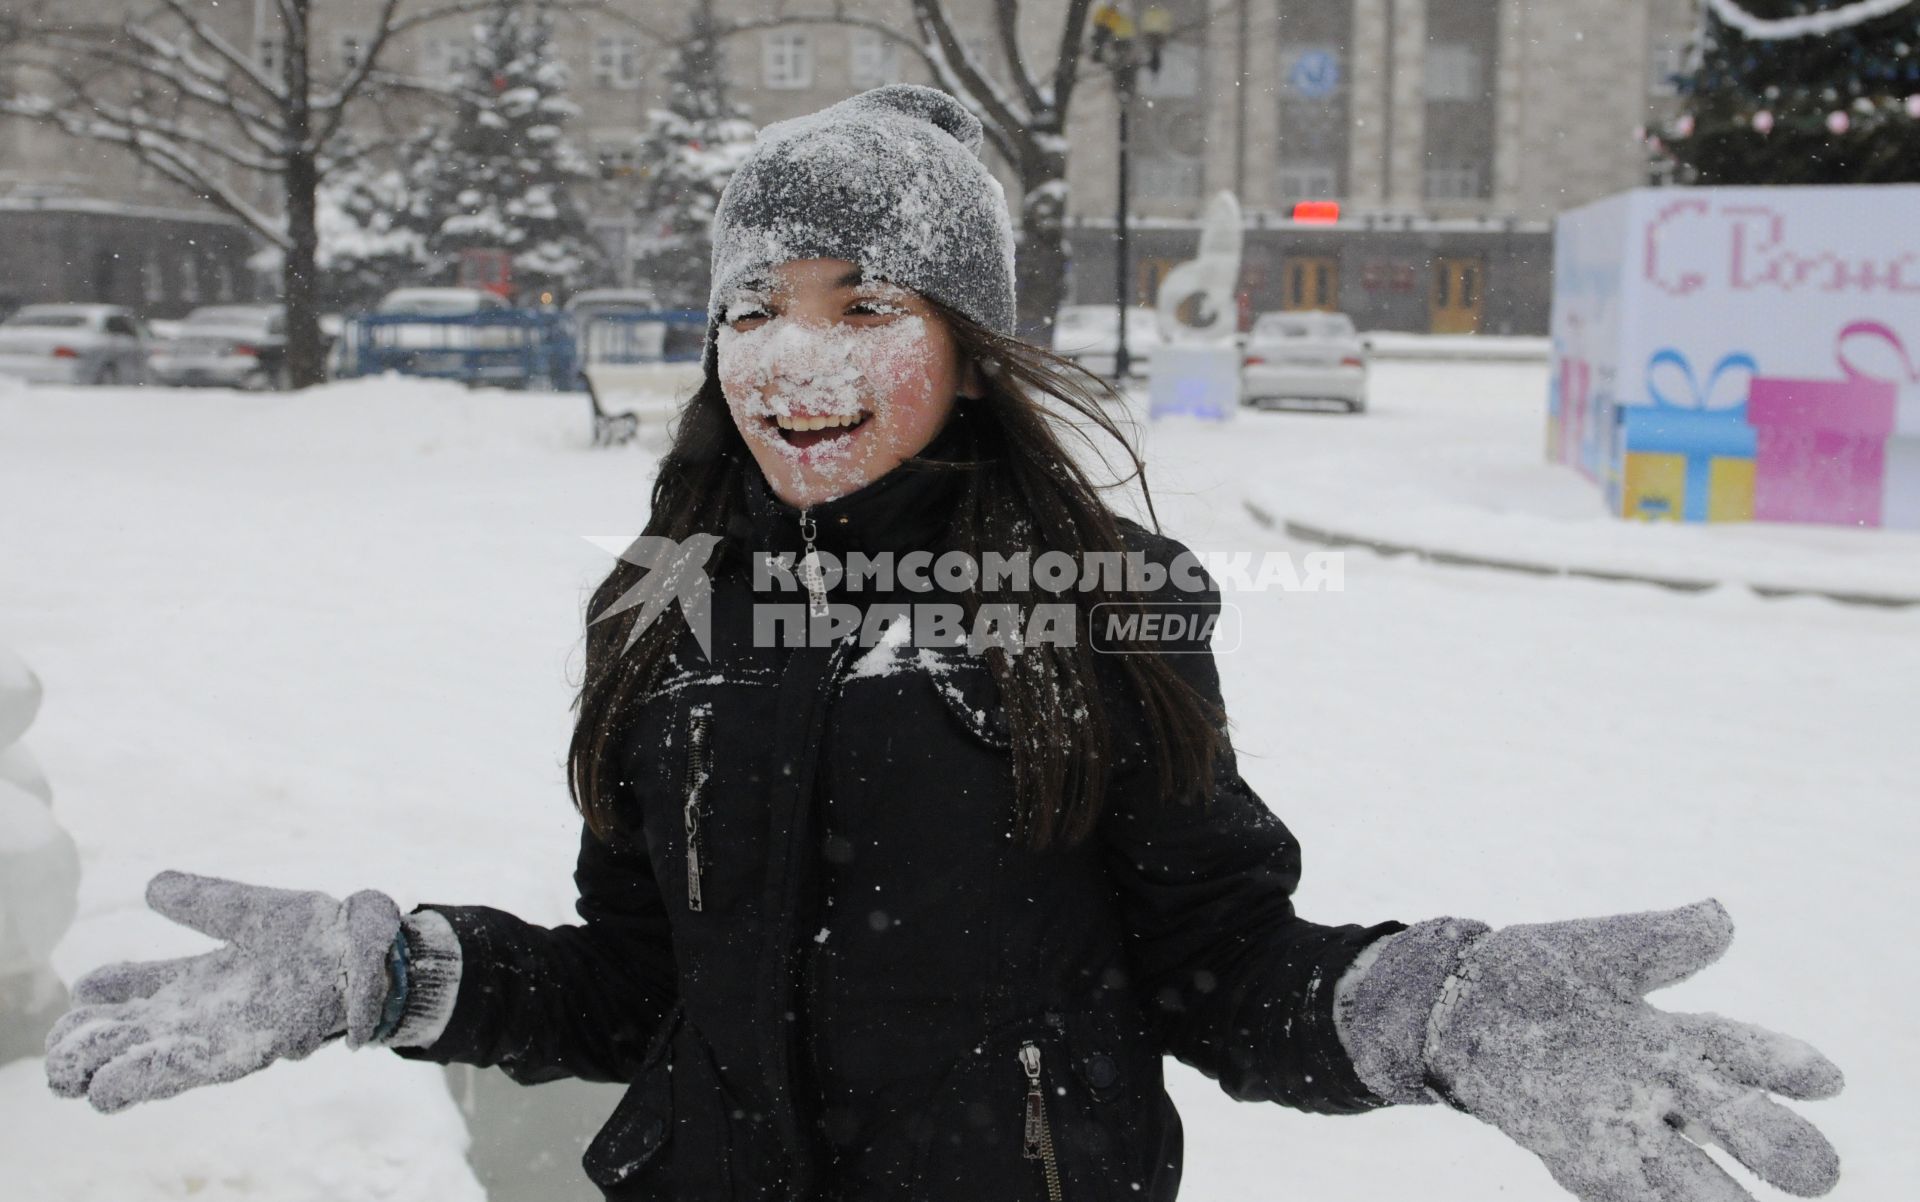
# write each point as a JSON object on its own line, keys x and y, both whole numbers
{"x": 515, "y": 348}
{"x": 631, "y": 336}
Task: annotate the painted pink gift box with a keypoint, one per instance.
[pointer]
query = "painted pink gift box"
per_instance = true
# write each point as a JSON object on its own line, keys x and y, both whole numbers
{"x": 1820, "y": 449}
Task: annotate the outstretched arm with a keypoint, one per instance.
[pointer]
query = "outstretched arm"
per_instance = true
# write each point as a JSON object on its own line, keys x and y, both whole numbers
{"x": 545, "y": 1003}
{"x": 1238, "y": 984}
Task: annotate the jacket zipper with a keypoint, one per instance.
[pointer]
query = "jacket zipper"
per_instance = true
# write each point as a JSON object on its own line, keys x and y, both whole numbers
{"x": 1039, "y": 1135}
{"x": 812, "y": 575}
{"x": 698, "y": 765}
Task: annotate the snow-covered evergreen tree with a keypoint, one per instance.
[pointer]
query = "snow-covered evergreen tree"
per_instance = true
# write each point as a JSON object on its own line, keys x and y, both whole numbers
{"x": 368, "y": 243}
{"x": 1800, "y": 92}
{"x": 501, "y": 173}
{"x": 688, "y": 152}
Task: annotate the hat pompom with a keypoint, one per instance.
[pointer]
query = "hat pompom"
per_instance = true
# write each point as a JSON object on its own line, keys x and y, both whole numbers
{"x": 931, "y": 105}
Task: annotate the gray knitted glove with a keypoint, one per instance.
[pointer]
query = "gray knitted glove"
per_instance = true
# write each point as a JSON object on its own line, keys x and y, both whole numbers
{"x": 299, "y": 968}
{"x": 1541, "y": 1030}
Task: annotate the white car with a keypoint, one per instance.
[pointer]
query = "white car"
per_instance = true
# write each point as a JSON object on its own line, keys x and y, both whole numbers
{"x": 74, "y": 344}
{"x": 437, "y": 328}
{"x": 1304, "y": 356}
{"x": 1088, "y": 334}
{"x": 440, "y": 302}
{"x": 237, "y": 346}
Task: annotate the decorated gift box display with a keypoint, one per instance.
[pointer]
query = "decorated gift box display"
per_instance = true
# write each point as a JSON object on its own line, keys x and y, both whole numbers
{"x": 1690, "y": 453}
{"x": 1843, "y": 449}
{"x": 1726, "y": 354}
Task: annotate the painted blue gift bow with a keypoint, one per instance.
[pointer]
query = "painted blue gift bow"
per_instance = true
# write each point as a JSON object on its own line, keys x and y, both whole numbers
{"x": 1737, "y": 359}
{"x": 1729, "y": 423}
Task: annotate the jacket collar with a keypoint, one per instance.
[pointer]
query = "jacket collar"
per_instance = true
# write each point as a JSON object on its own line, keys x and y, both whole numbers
{"x": 906, "y": 509}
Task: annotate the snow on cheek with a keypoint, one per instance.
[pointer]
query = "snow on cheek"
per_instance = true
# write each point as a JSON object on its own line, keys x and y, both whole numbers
{"x": 783, "y": 368}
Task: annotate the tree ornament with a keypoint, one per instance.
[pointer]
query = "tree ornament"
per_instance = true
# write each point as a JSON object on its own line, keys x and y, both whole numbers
{"x": 1763, "y": 122}
{"x": 1683, "y": 128}
{"x": 1913, "y": 106}
{"x": 1838, "y": 122}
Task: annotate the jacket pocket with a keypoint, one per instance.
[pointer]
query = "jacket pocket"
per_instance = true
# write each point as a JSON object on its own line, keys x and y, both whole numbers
{"x": 1020, "y": 1119}
{"x": 629, "y": 1152}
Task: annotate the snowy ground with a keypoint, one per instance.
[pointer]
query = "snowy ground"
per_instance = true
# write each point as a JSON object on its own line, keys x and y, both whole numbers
{"x": 329, "y": 640}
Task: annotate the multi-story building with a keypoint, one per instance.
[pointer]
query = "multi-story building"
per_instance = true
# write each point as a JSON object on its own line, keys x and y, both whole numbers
{"x": 1449, "y": 132}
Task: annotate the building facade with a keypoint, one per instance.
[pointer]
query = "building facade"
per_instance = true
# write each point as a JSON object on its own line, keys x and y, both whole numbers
{"x": 1449, "y": 132}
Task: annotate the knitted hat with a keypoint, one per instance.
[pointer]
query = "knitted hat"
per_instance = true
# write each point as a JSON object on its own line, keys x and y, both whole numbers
{"x": 891, "y": 180}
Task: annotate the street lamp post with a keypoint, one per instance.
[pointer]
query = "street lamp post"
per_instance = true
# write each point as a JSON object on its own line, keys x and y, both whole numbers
{"x": 1118, "y": 47}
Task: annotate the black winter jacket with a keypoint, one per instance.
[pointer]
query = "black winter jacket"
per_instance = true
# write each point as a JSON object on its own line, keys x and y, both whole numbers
{"x": 877, "y": 971}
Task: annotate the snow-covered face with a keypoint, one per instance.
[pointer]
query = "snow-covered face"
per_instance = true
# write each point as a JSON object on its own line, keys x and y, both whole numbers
{"x": 834, "y": 380}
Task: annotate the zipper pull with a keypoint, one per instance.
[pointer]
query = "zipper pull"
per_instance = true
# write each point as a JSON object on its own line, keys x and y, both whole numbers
{"x": 693, "y": 859}
{"x": 697, "y": 768}
{"x": 812, "y": 575}
{"x": 1036, "y": 1102}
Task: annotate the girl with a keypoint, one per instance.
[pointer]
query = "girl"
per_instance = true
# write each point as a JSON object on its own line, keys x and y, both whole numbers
{"x": 894, "y": 882}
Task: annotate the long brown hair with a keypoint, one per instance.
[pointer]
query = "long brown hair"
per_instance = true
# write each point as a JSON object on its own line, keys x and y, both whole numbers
{"x": 1023, "y": 492}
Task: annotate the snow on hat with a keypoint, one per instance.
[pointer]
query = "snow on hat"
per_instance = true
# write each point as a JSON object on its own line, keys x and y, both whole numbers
{"x": 891, "y": 180}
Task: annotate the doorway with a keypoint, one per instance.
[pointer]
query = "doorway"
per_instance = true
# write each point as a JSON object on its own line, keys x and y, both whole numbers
{"x": 1310, "y": 282}
{"x": 1459, "y": 296}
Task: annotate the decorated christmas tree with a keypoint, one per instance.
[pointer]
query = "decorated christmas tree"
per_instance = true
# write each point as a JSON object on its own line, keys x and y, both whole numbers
{"x": 500, "y": 174}
{"x": 1800, "y": 92}
{"x": 688, "y": 152}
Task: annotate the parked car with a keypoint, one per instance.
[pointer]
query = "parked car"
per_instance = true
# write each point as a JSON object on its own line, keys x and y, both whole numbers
{"x": 1089, "y": 334}
{"x": 74, "y": 344}
{"x": 440, "y": 302}
{"x": 1304, "y": 356}
{"x": 235, "y": 346}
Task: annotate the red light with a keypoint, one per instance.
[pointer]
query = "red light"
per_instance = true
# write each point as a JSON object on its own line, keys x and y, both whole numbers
{"x": 1317, "y": 212}
{"x": 1352, "y": 361}
{"x": 65, "y": 352}
{"x": 1254, "y": 361}
{"x": 243, "y": 349}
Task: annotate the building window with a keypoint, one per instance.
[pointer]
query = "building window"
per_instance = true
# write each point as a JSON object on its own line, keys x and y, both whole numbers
{"x": 1453, "y": 72}
{"x": 1309, "y": 181}
{"x": 267, "y": 42}
{"x": 1178, "y": 76}
{"x": 1168, "y": 176}
{"x": 348, "y": 49}
{"x": 786, "y": 60}
{"x": 872, "y": 60}
{"x": 616, "y": 63}
{"x": 222, "y": 281}
{"x": 155, "y": 284}
{"x": 1667, "y": 64}
{"x": 1455, "y": 181}
{"x": 189, "y": 278}
{"x": 986, "y": 53}
{"x": 444, "y": 59}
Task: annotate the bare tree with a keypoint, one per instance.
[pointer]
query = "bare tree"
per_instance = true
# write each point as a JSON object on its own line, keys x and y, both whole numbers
{"x": 177, "y": 89}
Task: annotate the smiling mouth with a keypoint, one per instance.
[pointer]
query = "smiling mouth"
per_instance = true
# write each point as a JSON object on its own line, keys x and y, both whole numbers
{"x": 805, "y": 432}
